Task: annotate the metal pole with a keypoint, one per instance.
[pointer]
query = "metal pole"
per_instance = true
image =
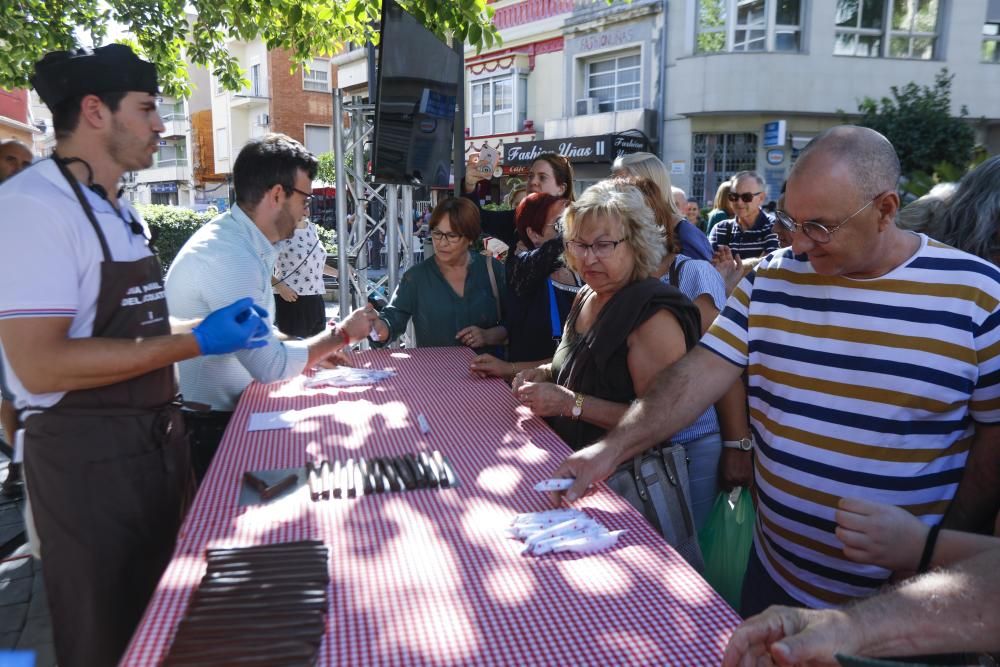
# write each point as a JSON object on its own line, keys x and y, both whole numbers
{"x": 392, "y": 237}
{"x": 361, "y": 219}
{"x": 343, "y": 243}
{"x": 458, "y": 147}
{"x": 407, "y": 227}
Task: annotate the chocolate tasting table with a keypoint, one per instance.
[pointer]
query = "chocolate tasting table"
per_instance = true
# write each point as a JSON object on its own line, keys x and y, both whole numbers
{"x": 429, "y": 576}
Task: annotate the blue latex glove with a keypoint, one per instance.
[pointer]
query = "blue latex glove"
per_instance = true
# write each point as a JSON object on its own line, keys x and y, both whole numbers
{"x": 238, "y": 326}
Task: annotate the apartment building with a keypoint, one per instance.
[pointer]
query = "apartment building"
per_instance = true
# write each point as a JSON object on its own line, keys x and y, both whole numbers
{"x": 16, "y": 121}
{"x": 296, "y": 103}
{"x": 750, "y": 82}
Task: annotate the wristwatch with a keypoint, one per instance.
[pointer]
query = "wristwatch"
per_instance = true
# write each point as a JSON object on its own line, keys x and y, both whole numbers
{"x": 577, "y": 407}
{"x": 743, "y": 444}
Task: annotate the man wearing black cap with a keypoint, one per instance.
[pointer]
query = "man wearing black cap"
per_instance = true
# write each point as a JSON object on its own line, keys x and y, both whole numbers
{"x": 87, "y": 340}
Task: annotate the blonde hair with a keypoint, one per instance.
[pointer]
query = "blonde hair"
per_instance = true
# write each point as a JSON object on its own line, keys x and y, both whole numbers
{"x": 721, "y": 201}
{"x": 620, "y": 200}
{"x": 647, "y": 165}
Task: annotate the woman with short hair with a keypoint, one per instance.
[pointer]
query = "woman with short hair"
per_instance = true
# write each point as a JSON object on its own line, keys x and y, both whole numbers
{"x": 454, "y": 297}
{"x": 625, "y": 327}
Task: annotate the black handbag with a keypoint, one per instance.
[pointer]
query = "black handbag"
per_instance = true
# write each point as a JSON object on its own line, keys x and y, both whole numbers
{"x": 656, "y": 483}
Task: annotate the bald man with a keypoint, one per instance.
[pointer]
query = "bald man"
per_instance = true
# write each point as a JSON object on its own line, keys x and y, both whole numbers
{"x": 871, "y": 363}
{"x": 14, "y": 156}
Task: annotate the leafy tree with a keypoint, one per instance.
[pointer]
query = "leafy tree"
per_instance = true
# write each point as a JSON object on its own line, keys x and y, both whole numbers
{"x": 918, "y": 122}
{"x": 165, "y": 31}
{"x": 327, "y": 170}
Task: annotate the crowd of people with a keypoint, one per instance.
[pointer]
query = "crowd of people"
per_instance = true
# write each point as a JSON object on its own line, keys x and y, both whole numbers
{"x": 844, "y": 366}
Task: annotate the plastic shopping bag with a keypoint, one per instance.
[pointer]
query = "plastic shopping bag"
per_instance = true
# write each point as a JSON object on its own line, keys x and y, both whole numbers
{"x": 725, "y": 542}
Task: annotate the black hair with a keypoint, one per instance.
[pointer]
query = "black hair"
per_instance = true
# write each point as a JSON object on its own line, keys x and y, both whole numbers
{"x": 66, "y": 114}
{"x": 268, "y": 161}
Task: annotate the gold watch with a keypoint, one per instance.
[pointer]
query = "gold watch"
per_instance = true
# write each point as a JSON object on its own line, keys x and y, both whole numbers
{"x": 577, "y": 407}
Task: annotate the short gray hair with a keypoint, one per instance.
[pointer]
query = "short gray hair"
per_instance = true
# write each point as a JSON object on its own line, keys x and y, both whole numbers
{"x": 623, "y": 201}
{"x": 869, "y": 156}
{"x": 970, "y": 218}
{"x": 740, "y": 175}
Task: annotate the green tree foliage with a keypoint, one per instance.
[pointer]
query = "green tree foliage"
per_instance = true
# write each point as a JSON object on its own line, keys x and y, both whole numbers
{"x": 918, "y": 122}
{"x": 164, "y": 31}
{"x": 172, "y": 226}
{"x": 326, "y": 171}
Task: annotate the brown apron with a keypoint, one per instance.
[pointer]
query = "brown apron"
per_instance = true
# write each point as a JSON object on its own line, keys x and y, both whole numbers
{"x": 110, "y": 477}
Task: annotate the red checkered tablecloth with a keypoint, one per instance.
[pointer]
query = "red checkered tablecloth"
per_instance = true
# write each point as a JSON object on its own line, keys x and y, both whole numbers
{"x": 428, "y": 576}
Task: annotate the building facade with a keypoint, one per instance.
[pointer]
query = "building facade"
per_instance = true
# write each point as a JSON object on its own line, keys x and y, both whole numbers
{"x": 750, "y": 82}
{"x": 577, "y": 77}
{"x": 16, "y": 121}
{"x": 297, "y": 103}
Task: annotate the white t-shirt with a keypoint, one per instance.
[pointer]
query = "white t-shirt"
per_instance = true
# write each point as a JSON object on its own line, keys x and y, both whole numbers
{"x": 50, "y": 256}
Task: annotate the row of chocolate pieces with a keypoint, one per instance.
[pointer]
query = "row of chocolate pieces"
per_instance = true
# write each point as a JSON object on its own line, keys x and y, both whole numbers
{"x": 261, "y": 605}
{"x": 379, "y": 475}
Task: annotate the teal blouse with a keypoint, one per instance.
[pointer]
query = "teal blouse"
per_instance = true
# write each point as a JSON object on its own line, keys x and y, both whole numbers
{"x": 438, "y": 313}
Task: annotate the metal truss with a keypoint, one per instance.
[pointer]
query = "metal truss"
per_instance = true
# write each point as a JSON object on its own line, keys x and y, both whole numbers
{"x": 377, "y": 207}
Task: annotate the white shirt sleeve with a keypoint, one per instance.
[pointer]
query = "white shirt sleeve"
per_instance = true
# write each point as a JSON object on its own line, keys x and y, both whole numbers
{"x": 197, "y": 286}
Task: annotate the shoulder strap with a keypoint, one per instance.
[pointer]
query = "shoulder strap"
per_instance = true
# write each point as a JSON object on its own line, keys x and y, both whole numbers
{"x": 493, "y": 285}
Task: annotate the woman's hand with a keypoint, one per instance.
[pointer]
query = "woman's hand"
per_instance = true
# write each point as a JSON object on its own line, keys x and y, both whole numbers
{"x": 471, "y": 337}
{"x": 883, "y": 535}
{"x": 486, "y": 365}
{"x": 286, "y": 292}
{"x": 539, "y": 374}
{"x": 473, "y": 175}
{"x": 546, "y": 399}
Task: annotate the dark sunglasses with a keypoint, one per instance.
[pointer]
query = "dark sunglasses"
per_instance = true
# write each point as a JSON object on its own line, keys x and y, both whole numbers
{"x": 747, "y": 197}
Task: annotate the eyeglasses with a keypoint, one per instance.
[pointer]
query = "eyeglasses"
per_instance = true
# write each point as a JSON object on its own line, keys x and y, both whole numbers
{"x": 747, "y": 197}
{"x": 446, "y": 237}
{"x": 814, "y": 230}
{"x": 308, "y": 195}
{"x": 601, "y": 249}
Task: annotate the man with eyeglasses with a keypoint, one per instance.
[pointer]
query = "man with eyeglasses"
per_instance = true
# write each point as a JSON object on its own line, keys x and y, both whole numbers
{"x": 233, "y": 256}
{"x": 749, "y": 234}
{"x": 872, "y": 363}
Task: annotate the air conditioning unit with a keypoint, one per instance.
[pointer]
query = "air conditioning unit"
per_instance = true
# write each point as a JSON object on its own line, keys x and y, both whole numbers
{"x": 263, "y": 119}
{"x": 587, "y": 106}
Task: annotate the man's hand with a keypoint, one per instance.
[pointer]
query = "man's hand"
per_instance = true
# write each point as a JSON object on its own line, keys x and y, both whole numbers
{"x": 785, "y": 636}
{"x": 883, "y": 535}
{"x": 546, "y": 399}
{"x": 735, "y": 468}
{"x": 286, "y": 292}
{"x": 588, "y": 466}
{"x": 342, "y": 357}
{"x": 238, "y": 326}
{"x": 471, "y": 337}
{"x": 486, "y": 365}
{"x": 729, "y": 267}
{"x": 358, "y": 324}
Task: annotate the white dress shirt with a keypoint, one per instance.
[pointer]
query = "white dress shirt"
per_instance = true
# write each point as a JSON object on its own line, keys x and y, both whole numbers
{"x": 228, "y": 259}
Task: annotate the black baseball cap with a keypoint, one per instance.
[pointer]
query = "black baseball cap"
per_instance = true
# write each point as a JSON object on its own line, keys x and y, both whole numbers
{"x": 63, "y": 75}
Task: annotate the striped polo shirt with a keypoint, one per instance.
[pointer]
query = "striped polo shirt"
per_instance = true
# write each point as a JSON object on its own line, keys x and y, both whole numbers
{"x": 747, "y": 243}
{"x": 859, "y": 388}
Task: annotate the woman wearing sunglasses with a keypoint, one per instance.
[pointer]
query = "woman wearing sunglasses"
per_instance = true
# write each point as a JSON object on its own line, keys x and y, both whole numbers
{"x": 454, "y": 297}
{"x": 625, "y": 325}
